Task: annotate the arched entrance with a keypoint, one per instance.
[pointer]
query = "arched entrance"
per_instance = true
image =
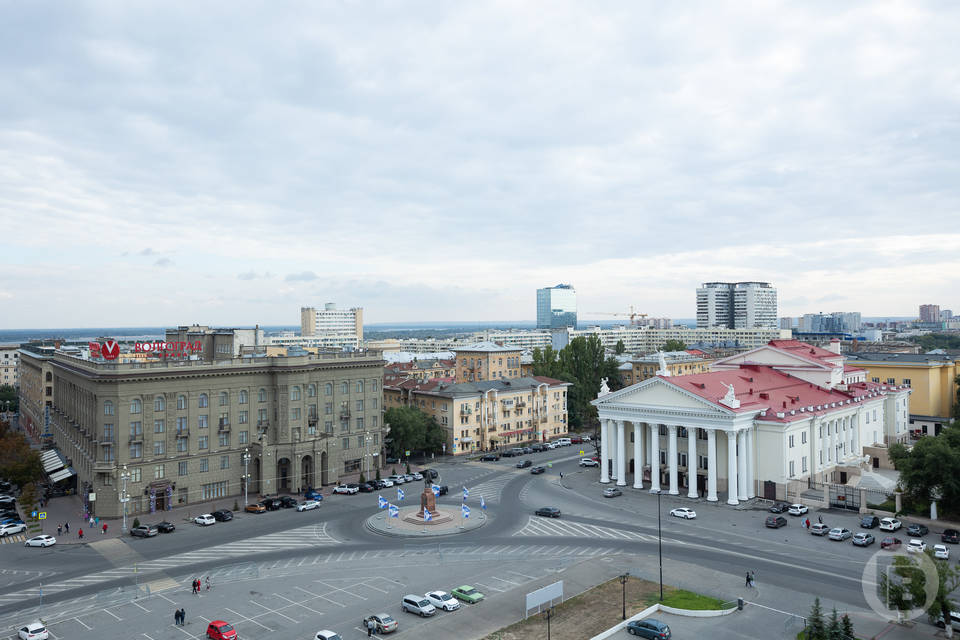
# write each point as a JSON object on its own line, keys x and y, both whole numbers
{"x": 324, "y": 469}
{"x": 283, "y": 474}
{"x": 255, "y": 480}
{"x": 306, "y": 472}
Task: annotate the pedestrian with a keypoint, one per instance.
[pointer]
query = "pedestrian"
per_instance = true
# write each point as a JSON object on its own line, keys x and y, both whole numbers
{"x": 746, "y": 581}
{"x": 104, "y": 528}
{"x": 561, "y": 475}
{"x": 183, "y": 615}
{"x": 91, "y": 522}
{"x": 208, "y": 583}
{"x": 80, "y": 533}
{"x": 176, "y": 617}
{"x": 193, "y": 586}
{"x": 66, "y": 527}
{"x": 820, "y": 519}
{"x": 370, "y": 626}
{"x": 752, "y": 581}
{"x": 59, "y": 529}
{"x": 198, "y": 586}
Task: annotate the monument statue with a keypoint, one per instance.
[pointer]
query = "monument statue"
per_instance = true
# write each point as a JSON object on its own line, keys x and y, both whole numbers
{"x": 604, "y": 389}
{"x": 663, "y": 364}
{"x": 428, "y": 501}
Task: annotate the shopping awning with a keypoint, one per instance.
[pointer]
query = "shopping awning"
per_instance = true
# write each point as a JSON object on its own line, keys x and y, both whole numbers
{"x": 52, "y": 461}
{"x": 63, "y": 474}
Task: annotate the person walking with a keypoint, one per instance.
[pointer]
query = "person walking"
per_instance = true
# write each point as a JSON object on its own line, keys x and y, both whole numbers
{"x": 66, "y": 527}
{"x": 193, "y": 586}
{"x": 104, "y": 528}
{"x": 208, "y": 583}
{"x": 183, "y": 615}
{"x": 176, "y": 617}
{"x": 752, "y": 581}
{"x": 370, "y": 627}
{"x": 80, "y": 533}
{"x": 746, "y": 581}
{"x": 59, "y": 529}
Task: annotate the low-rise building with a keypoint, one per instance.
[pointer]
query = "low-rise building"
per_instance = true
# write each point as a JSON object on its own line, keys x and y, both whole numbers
{"x": 677, "y": 363}
{"x": 421, "y": 370}
{"x": 9, "y": 365}
{"x": 487, "y": 361}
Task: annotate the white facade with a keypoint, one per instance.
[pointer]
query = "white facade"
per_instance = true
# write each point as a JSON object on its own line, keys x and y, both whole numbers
{"x": 9, "y": 365}
{"x": 331, "y": 321}
{"x": 324, "y": 341}
{"x": 737, "y": 305}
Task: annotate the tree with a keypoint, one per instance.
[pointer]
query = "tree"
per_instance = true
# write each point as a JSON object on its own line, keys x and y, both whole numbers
{"x": 949, "y": 580}
{"x": 931, "y": 465}
{"x": 8, "y": 393}
{"x": 413, "y": 430}
{"x": 833, "y": 627}
{"x": 620, "y": 348}
{"x": 816, "y": 628}
{"x": 907, "y": 591}
{"x": 674, "y": 345}
{"x": 28, "y": 497}
{"x": 846, "y": 627}
{"x": 19, "y": 463}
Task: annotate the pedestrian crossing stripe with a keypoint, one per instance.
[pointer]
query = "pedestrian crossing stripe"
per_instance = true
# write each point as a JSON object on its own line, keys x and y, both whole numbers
{"x": 18, "y": 537}
{"x": 538, "y": 526}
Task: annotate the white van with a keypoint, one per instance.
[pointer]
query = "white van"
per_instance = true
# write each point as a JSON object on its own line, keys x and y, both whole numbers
{"x": 564, "y": 442}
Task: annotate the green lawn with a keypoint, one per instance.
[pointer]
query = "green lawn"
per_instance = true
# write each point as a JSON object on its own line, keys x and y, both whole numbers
{"x": 682, "y": 599}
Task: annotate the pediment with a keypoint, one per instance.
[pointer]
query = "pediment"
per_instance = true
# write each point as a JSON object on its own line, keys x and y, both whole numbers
{"x": 656, "y": 392}
{"x": 769, "y": 356}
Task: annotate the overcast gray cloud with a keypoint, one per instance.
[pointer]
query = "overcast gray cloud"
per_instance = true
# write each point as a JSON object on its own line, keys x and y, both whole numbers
{"x": 443, "y": 160}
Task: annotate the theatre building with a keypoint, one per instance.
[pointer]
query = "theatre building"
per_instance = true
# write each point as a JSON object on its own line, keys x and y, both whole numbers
{"x": 187, "y": 429}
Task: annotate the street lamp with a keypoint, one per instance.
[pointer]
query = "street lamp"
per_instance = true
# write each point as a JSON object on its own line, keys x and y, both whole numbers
{"x": 623, "y": 585}
{"x": 124, "y": 498}
{"x": 660, "y": 543}
{"x": 246, "y": 473}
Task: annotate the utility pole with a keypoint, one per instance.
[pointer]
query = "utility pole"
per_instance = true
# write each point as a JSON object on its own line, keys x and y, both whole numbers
{"x": 246, "y": 474}
{"x": 124, "y": 498}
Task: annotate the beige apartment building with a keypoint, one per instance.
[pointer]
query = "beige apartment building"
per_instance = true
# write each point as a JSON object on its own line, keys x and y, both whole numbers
{"x": 480, "y": 416}
{"x": 180, "y": 430}
{"x": 679, "y": 363}
{"x": 487, "y": 361}
{"x": 422, "y": 369}
{"x": 9, "y": 361}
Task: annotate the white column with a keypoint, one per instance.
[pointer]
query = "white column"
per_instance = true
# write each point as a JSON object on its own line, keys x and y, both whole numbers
{"x": 612, "y": 449}
{"x": 712, "y": 465}
{"x": 672, "y": 457}
{"x": 621, "y": 455}
{"x": 604, "y": 451}
{"x": 637, "y": 456}
{"x": 742, "y": 464}
{"x": 855, "y": 425}
{"x": 692, "y": 462}
{"x": 751, "y": 476}
{"x": 732, "y": 467}
{"x": 654, "y": 458}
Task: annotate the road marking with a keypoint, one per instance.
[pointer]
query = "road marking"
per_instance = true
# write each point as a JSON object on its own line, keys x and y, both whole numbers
{"x": 507, "y": 581}
{"x": 370, "y": 586}
{"x": 246, "y": 619}
{"x": 329, "y": 586}
{"x": 84, "y": 624}
{"x": 113, "y": 614}
{"x": 317, "y": 595}
{"x": 276, "y": 611}
{"x": 147, "y": 637}
{"x": 300, "y": 604}
{"x": 521, "y": 574}
{"x": 136, "y": 604}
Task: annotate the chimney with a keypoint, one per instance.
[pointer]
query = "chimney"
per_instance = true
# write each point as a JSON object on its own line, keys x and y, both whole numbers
{"x": 835, "y": 346}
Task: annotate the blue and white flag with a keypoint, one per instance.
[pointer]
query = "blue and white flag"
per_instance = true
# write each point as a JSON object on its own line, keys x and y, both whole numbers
{"x": 381, "y": 503}
{"x": 399, "y": 493}
{"x": 436, "y": 490}
{"x": 466, "y": 493}
{"x": 394, "y": 511}
{"x": 465, "y": 510}
{"x": 426, "y": 516}
{"x": 483, "y": 503}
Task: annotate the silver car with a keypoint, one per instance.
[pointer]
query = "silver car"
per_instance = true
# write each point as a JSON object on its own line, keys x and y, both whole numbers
{"x": 839, "y": 533}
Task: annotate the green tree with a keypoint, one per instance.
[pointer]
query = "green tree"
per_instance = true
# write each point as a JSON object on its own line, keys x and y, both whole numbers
{"x": 620, "y": 348}
{"x": 19, "y": 463}
{"x": 816, "y": 627}
{"x": 846, "y": 627}
{"x": 585, "y": 361}
{"x": 29, "y": 497}
{"x": 907, "y": 590}
{"x": 8, "y": 393}
{"x": 674, "y": 345}
{"x": 833, "y": 626}
{"x": 408, "y": 429}
{"x": 933, "y": 463}
{"x": 949, "y": 580}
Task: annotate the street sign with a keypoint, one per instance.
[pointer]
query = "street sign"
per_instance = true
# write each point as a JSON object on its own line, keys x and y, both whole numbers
{"x": 43, "y": 515}
{"x": 581, "y": 451}
{"x": 407, "y": 453}
{"x": 33, "y": 514}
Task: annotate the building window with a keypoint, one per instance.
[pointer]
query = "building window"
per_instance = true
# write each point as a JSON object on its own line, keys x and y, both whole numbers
{"x": 359, "y": 423}
{"x": 373, "y": 385}
{"x": 295, "y": 393}
{"x": 136, "y": 406}
{"x": 242, "y": 396}
{"x": 224, "y": 399}
{"x": 107, "y": 452}
{"x": 204, "y": 465}
{"x": 907, "y": 381}
{"x": 373, "y": 421}
{"x": 803, "y": 437}
{"x": 328, "y": 389}
{"x": 345, "y": 443}
{"x": 158, "y": 447}
{"x": 224, "y": 462}
{"x": 136, "y": 450}
{"x": 311, "y": 391}
{"x": 213, "y": 490}
{"x": 344, "y": 387}
{"x": 262, "y": 395}
{"x": 203, "y": 401}
{"x": 790, "y": 438}
{"x": 181, "y": 424}
{"x": 181, "y": 402}
{"x": 202, "y": 442}
{"x": 107, "y": 408}
{"x": 135, "y": 474}
{"x": 158, "y": 426}
{"x": 262, "y": 417}
{"x": 202, "y": 422}
{"x": 328, "y": 426}
{"x": 877, "y": 380}
{"x": 360, "y": 405}
{"x": 359, "y": 386}
{"x": 159, "y": 404}
{"x": 182, "y": 468}
{"x": 242, "y": 437}
{"x": 225, "y": 439}
{"x": 242, "y": 418}
{"x": 181, "y": 445}
{"x": 359, "y": 442}
{"x": 373, "y": 404}
{"x": 328, "y": 408}
{"x": 158, "y": 472}
{"x": 803, "y": 464}
{"x": 294, "y": 413}
{"x": 792, "y": 470}
{"x": 136, "y": 429}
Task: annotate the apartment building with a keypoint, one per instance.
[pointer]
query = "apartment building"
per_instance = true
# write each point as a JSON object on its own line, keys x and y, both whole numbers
{"x": 678, "y": 363}
{"x": 421, "y": 370}
{"x": 9, "y": 365}
{"x": 487, "y": 361}
{"x": 331, "y": 321}
{"x": 737, "y": 305}
{"x": 479, "y": 416}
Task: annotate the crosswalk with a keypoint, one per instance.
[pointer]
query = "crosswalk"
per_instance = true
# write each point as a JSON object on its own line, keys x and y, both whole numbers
{"x": 491, "y": 489}
{"x": 19, "y": 537}
{"x": 538, "y": 526}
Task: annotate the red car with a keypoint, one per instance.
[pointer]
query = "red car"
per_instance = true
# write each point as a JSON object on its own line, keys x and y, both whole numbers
{"x": 220, "y": 630}
{"x": 890, "y": 543}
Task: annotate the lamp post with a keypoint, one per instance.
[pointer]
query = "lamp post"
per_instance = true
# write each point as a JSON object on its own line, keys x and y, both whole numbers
{"x": 246, "y": 473}
{"x": 124, "y": 498}
{"x": 623, "y": 585}
{"x": 660, "y": 543}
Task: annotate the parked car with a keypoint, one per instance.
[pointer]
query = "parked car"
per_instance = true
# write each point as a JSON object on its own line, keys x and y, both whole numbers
{"x": 538, "y": 447}
{"x": 144, "y": 531}
{"x": 779, "y": 507}
{"x": 443, "y": 600}
{"x": 347, "y": 489}
{"x": 386, "y": 483}
{"x": 548, "y": 512}
{"x": 222, "y": 515}
{"x": 509, "y": 453}
{"x": 587, "y": 462}
{"x": 288, "y": 502}
{"x": 683, "y": 512}
{"x": 950, "y": 535}
{"x": 418, "y": 605}
{"x": 490, "y": 457}
{"x": 272, "y": 504}
{"x": 863, "y": 539}
{"x": 205, "y": 520}
{"x": 890, "y": 524}
{"x": 890, "y": 542}
{"x": 409, "y": 477}
{"x": 397, "y": 479}
{"x": 649, "y": 628}
{"x": 326, "y": 634}
{"x": 869, "y": 522}
{"x": 467, "y": 593}
{"x": 12, "y": 528}
{"x": 528, "y": 450}
{"x": 417, "y": 475}
{"x": 839, "y": 533}
{"x": 33, "y": 631}
{"x": 819, "y": 529}
{"x": 256, "y": 507}
{"x": 538, "y": 469}
{"x": 954, "y": 620}
{"x": 444, "y": 489}
{"x": 917, "y": 530}
{"x": 576, "y": 439}
{"x": 220, "y": 630}
{"x": 775, "y": 522}
{"x": 366, "y": 487}
{"x": 916, "y": 546}
{"x": 308, "y": 505}
{"x": 166, "y": 527}
{"x": 797, "y": 509}
{"x": 382, "y": 623}
{"x": 41, "y": 541}
{"x": 941, "y": 551}
{"x": 523, "y": 464}
{"x": 612, "y": 492}
{"x": 311, "y": 494}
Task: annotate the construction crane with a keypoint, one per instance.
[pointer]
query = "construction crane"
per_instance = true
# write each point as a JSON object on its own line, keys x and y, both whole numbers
{"x": 632, "y": 315}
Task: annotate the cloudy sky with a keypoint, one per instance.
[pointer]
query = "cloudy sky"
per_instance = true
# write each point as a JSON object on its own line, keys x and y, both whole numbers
{"x": 228, "y": 163}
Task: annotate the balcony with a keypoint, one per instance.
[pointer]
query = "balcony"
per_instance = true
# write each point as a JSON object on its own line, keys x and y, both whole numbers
{"x": 224, "y": 426}
{"x": 135, "y": 437}
{"x": 312, "y": 421}
{"x": 263, "y": 424}
{"x": 345, "y": 414}
{"x": 183, "y": 433}
{"x": 465, "y": 410}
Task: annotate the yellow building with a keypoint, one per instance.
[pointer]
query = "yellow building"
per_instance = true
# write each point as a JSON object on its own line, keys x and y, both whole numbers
{"x": 487, "y": 361}
{"x": 422, "y": 369}
{"x": 933, "y": 378}
{"x": 679, "y": 363}
{"x": 480, "y": 416}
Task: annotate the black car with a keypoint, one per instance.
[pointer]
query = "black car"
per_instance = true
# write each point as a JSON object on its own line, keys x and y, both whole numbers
{"x": 509, "y": 453}
{"x": 288, "y": 502}
{"x": 779, "y": 507}
{"x": 775, "y": 522}
{"x": 272, "y": 504}
{"x": 869, "y": 522}
{"x": 538, "y": 447}
{"x": 166, "y": 527}
{"x": 367, "y": 487}
{"x": 523, "y": 464}
{"x": 444, "y": 489}
{"x": 917, "y": 530}
{"x": 537, "y": 469}
{"x": 950, "y": 535}
{"x": 548, "y": 512}
{"x": 490, "y": 457}
{"x": 222, "y": 515}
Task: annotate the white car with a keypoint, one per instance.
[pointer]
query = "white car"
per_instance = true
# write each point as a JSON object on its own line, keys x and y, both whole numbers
{"x": 443, "y": 600}
{"x": 916, "y": 546}
{"x": 587, "y": 462}
{"x": 33, "y": 631}
{"x": 417, "y": 475}
{"x": 551, "y": 445}
{"x": 326, "y": 634}
{"x": 10, "y": 529}
{"x": 307, "y": 505}
{"x": 205, "y": 520}
{"x": 797, "y": 509}
{"x": 941, "y": 551}
{"x": 397, "y": 479}
{"x": 346, "y": 489}
{"x": 41, "y": 541}
{"x": 387, "y": 482}
{"x": 890, "y": 524}
{"x": 684, "y": 512}
{"x": 586, "y": 438}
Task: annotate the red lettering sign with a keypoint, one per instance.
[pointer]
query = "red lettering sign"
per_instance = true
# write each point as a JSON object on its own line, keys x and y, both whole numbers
{"x": 110, "y": 350}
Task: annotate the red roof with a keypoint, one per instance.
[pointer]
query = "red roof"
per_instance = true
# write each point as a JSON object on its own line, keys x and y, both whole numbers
{"x": 550, "y": 381}
{"x": 805, "y": 351}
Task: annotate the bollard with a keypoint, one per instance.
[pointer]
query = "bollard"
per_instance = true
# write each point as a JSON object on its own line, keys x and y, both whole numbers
{"x": 739, "y": 604}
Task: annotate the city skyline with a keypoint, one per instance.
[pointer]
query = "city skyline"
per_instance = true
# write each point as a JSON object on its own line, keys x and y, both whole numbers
{"x": 230, "y": 176}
